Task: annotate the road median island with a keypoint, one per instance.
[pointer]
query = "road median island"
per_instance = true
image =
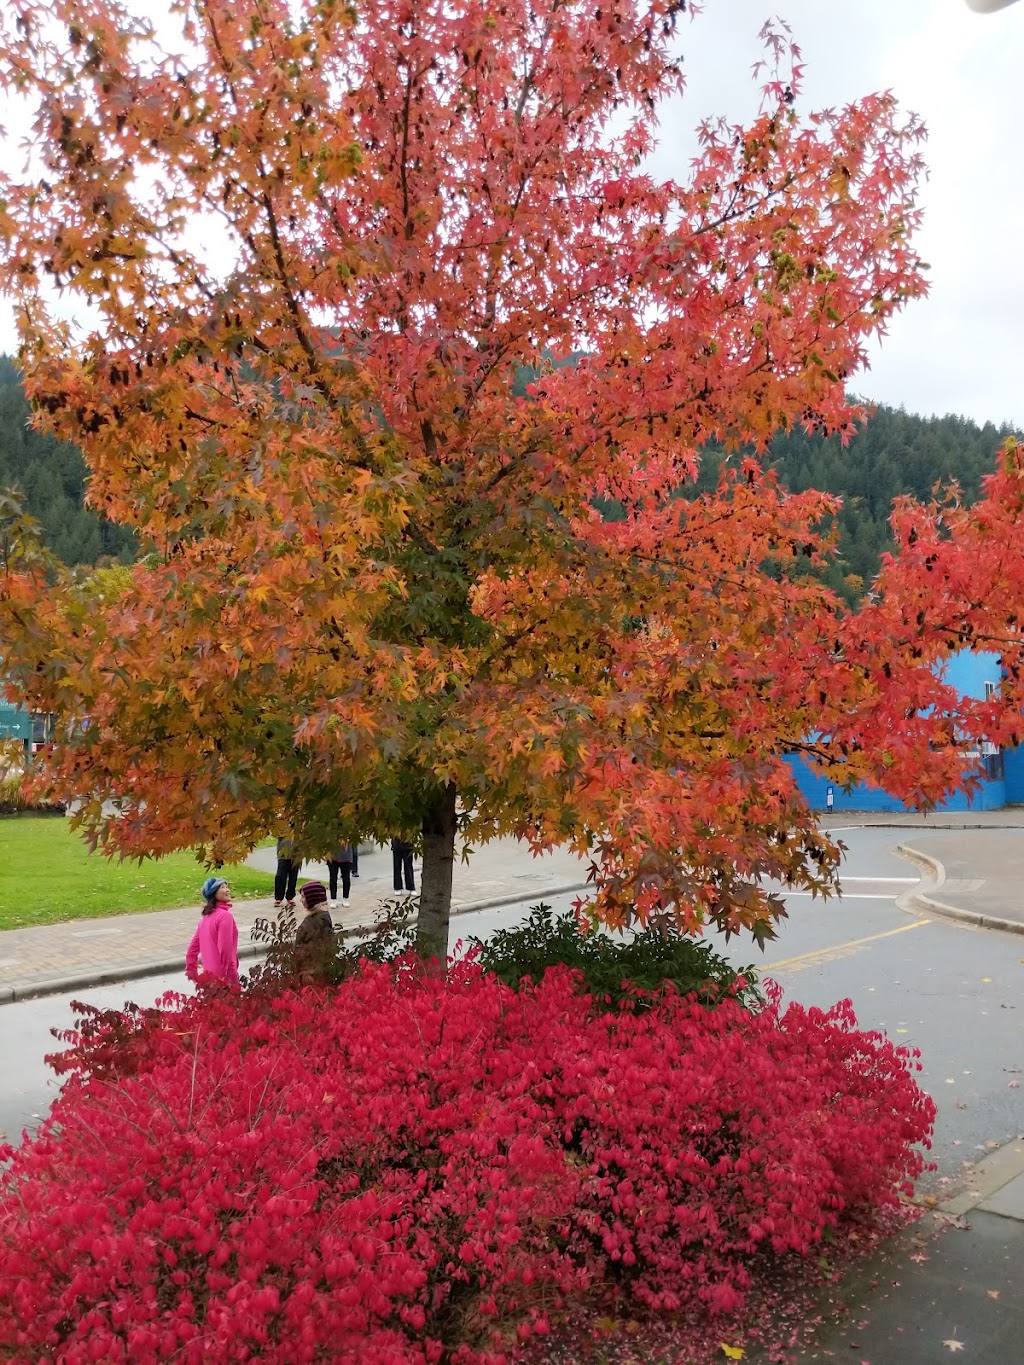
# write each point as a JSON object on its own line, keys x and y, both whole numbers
{"x": 937, "y": 896}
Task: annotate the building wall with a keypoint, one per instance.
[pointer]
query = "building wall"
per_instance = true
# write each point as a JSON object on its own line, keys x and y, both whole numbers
{"x": 968, "y": 673}
{"x": 1013, "y": 766}
{"x": 814, "y": 788}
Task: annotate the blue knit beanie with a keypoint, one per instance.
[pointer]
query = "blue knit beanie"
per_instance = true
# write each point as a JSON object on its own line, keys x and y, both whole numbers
{"x": 209, "y": 888}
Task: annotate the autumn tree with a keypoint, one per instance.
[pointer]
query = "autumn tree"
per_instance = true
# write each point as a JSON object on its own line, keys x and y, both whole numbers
{"x": 363, "y": 316}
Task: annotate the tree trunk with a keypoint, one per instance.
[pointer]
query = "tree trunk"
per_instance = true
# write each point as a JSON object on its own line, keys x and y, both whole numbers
{"x": 436, "y": 879}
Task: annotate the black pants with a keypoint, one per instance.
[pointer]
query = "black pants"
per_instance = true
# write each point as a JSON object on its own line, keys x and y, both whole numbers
{"x": 345, "y": 869}
{"x": 286, "y": 879}
{"x": 401, "y": 859}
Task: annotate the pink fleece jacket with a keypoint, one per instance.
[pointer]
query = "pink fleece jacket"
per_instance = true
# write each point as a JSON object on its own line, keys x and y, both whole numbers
{"x": 215, "y": 941}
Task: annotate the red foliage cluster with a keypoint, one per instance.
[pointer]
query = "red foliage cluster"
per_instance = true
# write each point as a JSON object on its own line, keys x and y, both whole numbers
{"x": 414, "y": 1168}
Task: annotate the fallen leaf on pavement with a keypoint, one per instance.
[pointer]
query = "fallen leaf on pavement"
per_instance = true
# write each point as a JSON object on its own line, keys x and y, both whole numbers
{"x": 952, "y": 1345}
{"x": 732, "y": 1352}
{"x": 952, "y": 1220}
{"x": 992, "y": 1293}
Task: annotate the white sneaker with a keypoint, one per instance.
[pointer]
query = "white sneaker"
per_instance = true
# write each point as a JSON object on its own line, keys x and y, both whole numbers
{"x": 344, "y": 900}
{"x": 332, "y": 904}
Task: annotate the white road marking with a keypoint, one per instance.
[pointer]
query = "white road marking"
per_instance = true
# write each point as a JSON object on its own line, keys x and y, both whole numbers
{"x": 857, "y": 896}
{"x": 880, "y": 879}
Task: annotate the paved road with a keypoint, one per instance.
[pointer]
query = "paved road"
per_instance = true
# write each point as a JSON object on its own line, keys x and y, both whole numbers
{"x": 953, "y": 991}
{"x": 27, "y": 1086}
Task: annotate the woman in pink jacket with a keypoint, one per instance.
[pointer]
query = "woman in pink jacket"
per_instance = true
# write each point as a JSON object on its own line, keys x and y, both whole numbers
{"x": 215, "y": 941}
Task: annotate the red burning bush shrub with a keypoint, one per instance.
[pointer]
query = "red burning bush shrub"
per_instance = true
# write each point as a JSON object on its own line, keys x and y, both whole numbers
{"x": 413, "y": 1168}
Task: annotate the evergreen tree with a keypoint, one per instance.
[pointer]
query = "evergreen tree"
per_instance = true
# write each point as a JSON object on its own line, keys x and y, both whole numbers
{"x": 50, "y": 477}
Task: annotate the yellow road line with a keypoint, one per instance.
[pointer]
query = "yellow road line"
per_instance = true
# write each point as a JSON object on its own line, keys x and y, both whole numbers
{"x": 840, "y": 949}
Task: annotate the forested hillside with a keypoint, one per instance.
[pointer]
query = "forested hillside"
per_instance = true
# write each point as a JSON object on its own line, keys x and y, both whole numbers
{"x": 51, "y": 477}
{"x": 896, "y": 452}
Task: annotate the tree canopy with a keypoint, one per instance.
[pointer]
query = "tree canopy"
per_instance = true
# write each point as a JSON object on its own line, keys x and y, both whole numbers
{"x": 315, "y": 246}
{"x": 891, "y": 454}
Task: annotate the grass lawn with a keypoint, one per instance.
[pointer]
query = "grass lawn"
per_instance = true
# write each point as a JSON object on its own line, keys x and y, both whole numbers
{"x": 47, "y": 874}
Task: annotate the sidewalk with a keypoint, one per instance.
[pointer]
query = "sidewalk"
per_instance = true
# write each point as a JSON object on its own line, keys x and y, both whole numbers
{"x": 950, "y": 1284}
{"x": 52, "y": 959}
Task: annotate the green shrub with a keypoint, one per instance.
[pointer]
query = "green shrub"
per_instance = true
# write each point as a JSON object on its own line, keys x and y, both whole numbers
{"x": 617, "y": 970}
{"x": 13, "y": 800}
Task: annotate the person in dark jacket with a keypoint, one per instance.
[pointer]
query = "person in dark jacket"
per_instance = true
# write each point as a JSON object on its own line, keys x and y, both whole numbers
{"x": 314, "y": 938}
{"x": 287, "y": 875}
{"x": 341, "y": 860}
{"x": 401, "y": 858}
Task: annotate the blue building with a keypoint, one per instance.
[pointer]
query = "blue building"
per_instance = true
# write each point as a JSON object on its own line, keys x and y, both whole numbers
{"x": 1013, "y": 776}
{"x": 973, "y": 675}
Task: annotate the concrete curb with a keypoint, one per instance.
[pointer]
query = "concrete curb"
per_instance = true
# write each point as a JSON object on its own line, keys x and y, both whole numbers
{"x": 61, "y": 985}
{"x": 917, "y": 901}
{"x": 987, "y": 1177}
{"x": 933, "y": 828}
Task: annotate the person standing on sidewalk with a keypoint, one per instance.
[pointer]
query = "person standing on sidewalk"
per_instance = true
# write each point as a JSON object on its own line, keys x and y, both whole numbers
{"x": 401, "y": 858}
{"x": 287, "y": 875}
{"x": 341, "y": 860}
{"x": 215, "y": 941}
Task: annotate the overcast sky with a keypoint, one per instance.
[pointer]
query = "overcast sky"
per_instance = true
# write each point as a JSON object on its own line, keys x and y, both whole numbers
{"x": 960, "y": 350}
